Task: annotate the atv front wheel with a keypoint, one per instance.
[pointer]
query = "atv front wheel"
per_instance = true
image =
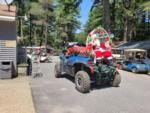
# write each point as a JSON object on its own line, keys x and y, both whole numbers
{"x": 82, "y": 81}
{"x": 116, "y": 80}
{"x": 57, "y": 70}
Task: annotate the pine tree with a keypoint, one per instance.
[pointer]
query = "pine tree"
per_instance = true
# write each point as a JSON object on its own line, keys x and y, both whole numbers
{"x": 67, "y": 13}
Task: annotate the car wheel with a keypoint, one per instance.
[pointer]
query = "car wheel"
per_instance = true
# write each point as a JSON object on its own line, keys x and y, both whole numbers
{"x": 134, "y": 70}
{"x": 117, "y": 80}
{"x": 82, "y": 81}
{"x": 57, "y": 70}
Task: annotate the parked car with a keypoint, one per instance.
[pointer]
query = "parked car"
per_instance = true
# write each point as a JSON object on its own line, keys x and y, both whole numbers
{"x": 135, "y": 66}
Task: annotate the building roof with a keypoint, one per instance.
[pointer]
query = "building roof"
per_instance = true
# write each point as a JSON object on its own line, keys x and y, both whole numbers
{"x": 136, "y": 45}
{"x": 7, "y": 13}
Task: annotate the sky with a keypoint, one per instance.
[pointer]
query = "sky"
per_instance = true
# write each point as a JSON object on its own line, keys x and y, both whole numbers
{"x": 84, "y": 12}
{"x": 3, "y": 1}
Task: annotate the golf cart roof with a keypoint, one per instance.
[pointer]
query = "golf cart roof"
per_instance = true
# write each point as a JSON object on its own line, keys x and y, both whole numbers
{"x": 117, "y": 48}
{"x": 137, "y": 50}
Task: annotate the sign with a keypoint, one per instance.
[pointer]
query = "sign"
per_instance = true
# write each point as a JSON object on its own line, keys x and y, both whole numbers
{"x": 10, "y": 43}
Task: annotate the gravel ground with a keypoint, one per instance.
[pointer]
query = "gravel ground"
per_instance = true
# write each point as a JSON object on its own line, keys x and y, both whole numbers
{"x": 15, "y": 96}
{"x": 53, "y": 95}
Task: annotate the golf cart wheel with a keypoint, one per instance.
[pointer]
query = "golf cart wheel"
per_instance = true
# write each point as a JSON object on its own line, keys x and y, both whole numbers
{"x": 57, "y": 70}
{"x": 121, "y": 67}
{"x": 148, "y": 73}
{"x": 134, "y": 70}
{"x": 117, "y": 80}
{"x": 82, "y": 81}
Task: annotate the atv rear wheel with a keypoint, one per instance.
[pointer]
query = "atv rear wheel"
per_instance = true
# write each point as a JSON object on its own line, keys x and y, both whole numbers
{"x": 116, "y": 80}
{"x": 57, "y": 70}
{"x": 82, "y": 81}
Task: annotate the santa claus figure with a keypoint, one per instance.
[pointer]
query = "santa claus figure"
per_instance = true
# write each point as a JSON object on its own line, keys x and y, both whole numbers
{"x": 100, "y": 41}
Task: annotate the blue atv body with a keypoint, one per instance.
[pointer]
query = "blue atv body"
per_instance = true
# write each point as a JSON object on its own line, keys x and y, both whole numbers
{"x": 86, "y": 72}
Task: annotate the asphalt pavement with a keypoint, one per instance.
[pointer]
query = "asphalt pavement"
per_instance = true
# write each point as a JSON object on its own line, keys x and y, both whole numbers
{"x": 58, "y": 95}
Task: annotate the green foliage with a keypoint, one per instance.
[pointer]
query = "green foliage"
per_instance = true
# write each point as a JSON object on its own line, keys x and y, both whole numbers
{"x": 129, "y": 17}
{"x": 146, "y": 5}
{"x": 95, "y": 18}
{"x": 59, "y": 23}
{"x": 48, "y": 24}
{"x": 36, "y": 9}
{"x": 66, "y": 15}
{"x": 40, "y": 16}
{"x": 81, "y": 37}
{"x": 126, "y": 18}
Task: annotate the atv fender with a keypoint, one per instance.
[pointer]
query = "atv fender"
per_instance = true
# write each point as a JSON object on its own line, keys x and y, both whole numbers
{"x": 80, "y": 66}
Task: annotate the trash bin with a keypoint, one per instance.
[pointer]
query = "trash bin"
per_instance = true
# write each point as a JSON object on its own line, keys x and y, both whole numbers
{"x": 5, "y": 69}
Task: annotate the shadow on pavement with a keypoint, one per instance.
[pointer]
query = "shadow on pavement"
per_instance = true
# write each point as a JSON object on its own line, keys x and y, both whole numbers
{"x": 98, "y": 87}
{"x": 94, "y": 86}
{"x": 68, "y": 77}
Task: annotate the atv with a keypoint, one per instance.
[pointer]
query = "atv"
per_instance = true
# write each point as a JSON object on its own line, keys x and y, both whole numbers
{"x": 85, "y": 71}
{"x": 91, "y": 62}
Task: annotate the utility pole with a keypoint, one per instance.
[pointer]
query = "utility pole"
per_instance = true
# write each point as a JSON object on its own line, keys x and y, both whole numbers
{"x": 46, "y": 26}
{"x": 46, "y": 36}
{"x": 30, "y": 30}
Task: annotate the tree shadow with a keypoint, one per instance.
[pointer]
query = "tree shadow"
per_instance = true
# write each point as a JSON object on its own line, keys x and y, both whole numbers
{"x": 68, "y": 77}
{"x": 94, "y": 86}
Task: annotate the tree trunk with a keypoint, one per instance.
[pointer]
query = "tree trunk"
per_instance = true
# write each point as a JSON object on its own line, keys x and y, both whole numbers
{"x": 113, "y": 14}
{"x": 130, "y": 35}
{"x": 125, "y": 29}
{"x": 132, "y": 31}
{"x": 41, "y": 39}
{"x": 106, "y": 15}
{"x": 35, "y": 37}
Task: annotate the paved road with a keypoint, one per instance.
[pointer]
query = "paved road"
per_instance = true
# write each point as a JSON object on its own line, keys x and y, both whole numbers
{"x": 53, "y": 95}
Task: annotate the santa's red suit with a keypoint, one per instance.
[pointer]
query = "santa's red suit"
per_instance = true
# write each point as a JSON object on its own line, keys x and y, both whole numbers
{"x": 103, "y": 51}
